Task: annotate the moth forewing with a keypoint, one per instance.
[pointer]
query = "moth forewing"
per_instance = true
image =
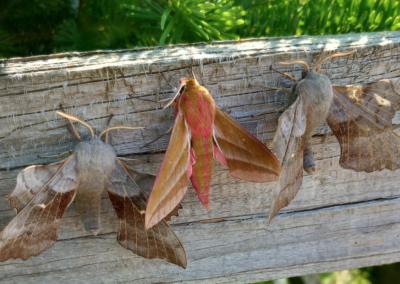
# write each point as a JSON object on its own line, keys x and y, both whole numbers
{"x": 30, "y": 181}
{"x": 171, "y": 183}
{"x": 43, "y": 213}
{"x": 290, "y": 134}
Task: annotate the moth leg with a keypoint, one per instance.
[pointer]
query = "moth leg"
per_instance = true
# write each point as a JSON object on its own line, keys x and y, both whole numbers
{"x": 108, "y": 124}
{"x": 148, "y": 100}
{"x": 172, "y": 87}
{"x": 272, "y": 111}
{"x": 69, "y": 152}
{"x": 109, "y": 119}
{"x": 308, "y": 156}
{"x": 271, "y": 88}
{"x": 164, "y": 100}
{"x": 285, "y": 106}
{"x": 168, "y": 131}
{"x": 176, "y": 90}
{"x": 133, "y": 160}
{"x": 284, "y": 74}
{"x": 160, "y": 101}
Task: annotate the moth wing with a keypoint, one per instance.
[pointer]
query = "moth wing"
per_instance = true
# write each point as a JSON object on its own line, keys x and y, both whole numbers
{"x": 129, "y": 202}
{"x": 247, "y": 157}
{"x": 360, "y": 118}
{"x": 171, "y": 182}
{"x": 30, "y": 181}
{"x": 145, "y": 183}
{"x": 35, "y": 228}
{"x": 289, "y": 146}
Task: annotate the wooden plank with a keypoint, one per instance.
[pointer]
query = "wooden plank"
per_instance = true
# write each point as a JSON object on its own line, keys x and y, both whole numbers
{"x": 339, "y": 220}
{"x": 337, "y": 237}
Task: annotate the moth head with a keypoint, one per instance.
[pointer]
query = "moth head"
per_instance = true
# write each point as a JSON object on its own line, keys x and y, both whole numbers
{"x": 183, "y": 82}
{"x": 190, "y": 82}
{"x": 181, "y": 88}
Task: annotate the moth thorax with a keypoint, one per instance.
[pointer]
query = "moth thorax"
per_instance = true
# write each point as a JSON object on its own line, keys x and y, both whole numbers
{"x": 94, "y": 157}
{"x": 190, "y": 82}
{"x": 317, "y": 89}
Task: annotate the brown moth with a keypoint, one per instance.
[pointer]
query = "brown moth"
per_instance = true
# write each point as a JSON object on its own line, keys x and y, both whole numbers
{"x": 359, "y": 116}
{"x": 43, "y": 193}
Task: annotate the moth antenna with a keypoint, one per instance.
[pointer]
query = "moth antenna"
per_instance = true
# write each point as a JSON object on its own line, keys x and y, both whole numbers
{"x": 72, "y": 125}
{"x": 118, "y": 127}
{"x": 284, "y": 74}
{"x": 296, "y": 62}
{"x": 77, "y": 120}
{"x": 175, "y": 95}
{"x": 191, "y": 69}
{"x": 318, "y": 65}
{"x": 168, "y": 131}
{"x": 173, "y": 88}
{"x": 272, "y": 88}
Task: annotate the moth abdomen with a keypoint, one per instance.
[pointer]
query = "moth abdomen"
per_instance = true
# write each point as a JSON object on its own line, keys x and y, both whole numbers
{"x": 95, "y": 162}
{"x": 88, "y": 202}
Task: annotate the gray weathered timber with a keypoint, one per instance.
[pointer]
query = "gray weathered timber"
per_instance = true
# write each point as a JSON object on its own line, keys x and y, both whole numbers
{"x": 340, "y": 219}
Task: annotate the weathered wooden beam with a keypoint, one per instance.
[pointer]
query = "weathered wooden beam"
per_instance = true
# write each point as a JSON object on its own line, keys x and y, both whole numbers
{"x": 339, "y": 220}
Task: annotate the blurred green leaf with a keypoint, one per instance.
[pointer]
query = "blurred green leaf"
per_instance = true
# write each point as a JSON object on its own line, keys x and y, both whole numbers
{"x": 167, "y": 31}
{"x": 164, "y": 17}
{"x": 46, "y": 26}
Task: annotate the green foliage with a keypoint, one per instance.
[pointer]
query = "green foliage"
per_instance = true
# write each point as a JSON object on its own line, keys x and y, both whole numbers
{"x": 317, "y": 17}
{"x": 28, "y": 27}
{"x": 47, "y": 26}
{"x": 97, "y": 24}
{"x": 188, "y": 20}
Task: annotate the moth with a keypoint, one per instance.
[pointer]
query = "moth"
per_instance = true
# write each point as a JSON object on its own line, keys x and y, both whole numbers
{"x": 43, "y": 193}
{"x": 201, "y": 132}
{"x": 360, "y": 117}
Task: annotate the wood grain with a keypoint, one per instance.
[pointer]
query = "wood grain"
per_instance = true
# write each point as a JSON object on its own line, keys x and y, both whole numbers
{"x": 340, "y": 219}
